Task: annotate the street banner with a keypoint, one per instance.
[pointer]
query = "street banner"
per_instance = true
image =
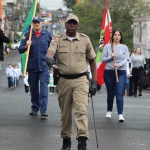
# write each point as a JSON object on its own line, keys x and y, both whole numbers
{"x": 105, "y": 34}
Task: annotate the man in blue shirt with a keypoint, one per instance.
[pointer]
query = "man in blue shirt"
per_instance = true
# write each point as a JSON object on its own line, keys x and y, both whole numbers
{"x": 37, "y": 68}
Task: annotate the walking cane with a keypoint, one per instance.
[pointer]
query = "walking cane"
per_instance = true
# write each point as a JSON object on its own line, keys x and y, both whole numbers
{"x": 94, "y": 122}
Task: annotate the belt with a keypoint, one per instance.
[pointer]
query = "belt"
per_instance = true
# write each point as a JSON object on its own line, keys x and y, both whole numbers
{"x": 72, "y": 76}
{"x": 139, "y": 67}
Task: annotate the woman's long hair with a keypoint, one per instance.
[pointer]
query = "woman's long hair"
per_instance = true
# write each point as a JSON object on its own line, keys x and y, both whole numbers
{"x": 114, "y": 31}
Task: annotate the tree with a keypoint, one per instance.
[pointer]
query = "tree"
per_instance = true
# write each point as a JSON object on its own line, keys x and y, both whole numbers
{"x": 90, "y": 15}
{"x": 69, "y": 3}
{"x": 122, "y": 13}
{"x": 38, "y": 8}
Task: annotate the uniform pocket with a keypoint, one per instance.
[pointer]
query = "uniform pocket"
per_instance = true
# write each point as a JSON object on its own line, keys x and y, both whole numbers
{"x": 43, "y": 62}
{"x": 63, "y": 52}
{"x": 32, "y": 64}
{"x": 80, "y": 54}
{"x": 44, "y": 45}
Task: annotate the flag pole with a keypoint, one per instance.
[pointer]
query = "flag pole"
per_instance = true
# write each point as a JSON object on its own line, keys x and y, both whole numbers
{"x": 114, "y": 59}
{"x": 28, "y": 47}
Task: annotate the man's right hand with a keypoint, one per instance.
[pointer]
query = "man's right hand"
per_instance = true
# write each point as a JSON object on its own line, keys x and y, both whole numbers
{"x": 50, "y": 62}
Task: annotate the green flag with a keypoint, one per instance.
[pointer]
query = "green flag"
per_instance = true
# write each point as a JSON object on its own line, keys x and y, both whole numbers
{"x": 25, "y": 29}
{"x": 28, "y": 20}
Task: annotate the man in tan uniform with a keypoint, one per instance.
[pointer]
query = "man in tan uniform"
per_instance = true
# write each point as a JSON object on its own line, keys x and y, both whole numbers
{"x": 74, "y": 52}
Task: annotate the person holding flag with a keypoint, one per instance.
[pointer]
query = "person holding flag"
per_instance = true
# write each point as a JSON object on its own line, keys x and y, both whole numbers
{"x": 37, "y": 68}
{"x": 115, "y": 83}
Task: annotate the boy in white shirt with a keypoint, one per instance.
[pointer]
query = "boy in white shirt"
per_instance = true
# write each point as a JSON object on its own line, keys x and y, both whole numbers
{"x": 10, "y": 77}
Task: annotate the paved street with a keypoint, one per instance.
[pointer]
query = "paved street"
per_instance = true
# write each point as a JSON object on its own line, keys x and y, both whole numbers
{"x": 19, "y": 131}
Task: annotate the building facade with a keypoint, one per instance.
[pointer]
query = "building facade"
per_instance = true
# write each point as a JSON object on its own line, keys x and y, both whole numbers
{"x": 141, "y": 33}
{"x": 1, "y": 9}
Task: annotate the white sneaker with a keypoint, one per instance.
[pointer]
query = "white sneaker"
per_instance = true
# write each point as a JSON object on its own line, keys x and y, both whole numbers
{"x": 108, "y": 114}
{"x": 121, "y": 118}
{"x": 51, "y": 93}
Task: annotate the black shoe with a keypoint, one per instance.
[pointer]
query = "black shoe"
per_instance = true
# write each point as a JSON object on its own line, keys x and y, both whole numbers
{"x": 66, "y": 144}
{"x": 140, "y": 94}
{"x": 82, "y": 143}
{"x": 32, "y": 113}
{"x": 135, "y": 95}
{"x": 44, "y": 115}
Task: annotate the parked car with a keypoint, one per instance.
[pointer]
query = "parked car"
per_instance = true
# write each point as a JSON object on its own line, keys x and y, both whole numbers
{"x": 15, "y": 46}
{"x": 49, "y": 19}
{"x": 146, "y": 81}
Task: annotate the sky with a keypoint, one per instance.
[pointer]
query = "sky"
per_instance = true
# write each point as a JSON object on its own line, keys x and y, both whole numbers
{"x": 52, "y": 4}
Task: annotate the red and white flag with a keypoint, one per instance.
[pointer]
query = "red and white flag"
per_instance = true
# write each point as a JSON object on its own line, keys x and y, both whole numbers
{"x": 105, "y": 34}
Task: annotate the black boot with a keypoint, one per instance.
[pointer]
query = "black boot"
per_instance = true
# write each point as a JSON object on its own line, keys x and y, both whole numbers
{"x": 140, "y": 94}
{"x": 140, "y": 88}
{"x": 82, "y": 143}
{"x": 66, "y": 144}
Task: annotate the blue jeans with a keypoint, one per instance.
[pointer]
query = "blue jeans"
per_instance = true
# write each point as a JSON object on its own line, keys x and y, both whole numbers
{"x": 127, "y": 85}
{"x": 10, "y": 82}
{"x": 115, "y": 89}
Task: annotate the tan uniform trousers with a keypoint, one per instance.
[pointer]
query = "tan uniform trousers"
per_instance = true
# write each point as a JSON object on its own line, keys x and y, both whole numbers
{"x": 73, "y": 94}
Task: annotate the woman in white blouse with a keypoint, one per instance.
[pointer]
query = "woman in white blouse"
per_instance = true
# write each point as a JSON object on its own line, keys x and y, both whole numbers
{"x": 138, "y": 61}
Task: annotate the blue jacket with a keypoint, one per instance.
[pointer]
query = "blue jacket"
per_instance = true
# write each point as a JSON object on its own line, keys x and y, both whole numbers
{"x": 38, "y": 50}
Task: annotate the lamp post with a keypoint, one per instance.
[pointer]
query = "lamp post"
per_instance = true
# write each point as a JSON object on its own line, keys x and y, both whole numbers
{"x": 12, "y": 16}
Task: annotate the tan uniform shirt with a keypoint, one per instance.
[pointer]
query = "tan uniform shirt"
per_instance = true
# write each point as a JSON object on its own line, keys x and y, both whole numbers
{"x": 72, "y": 56}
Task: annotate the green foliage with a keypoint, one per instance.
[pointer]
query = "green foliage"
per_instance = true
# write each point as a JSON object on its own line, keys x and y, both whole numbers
{"x": 90, "y": 15}
{"x": 9, "y": 44}
{"x": 38, "y": 9}
{"x": 122, "y": 13}
{"x": 69, "y": 3}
